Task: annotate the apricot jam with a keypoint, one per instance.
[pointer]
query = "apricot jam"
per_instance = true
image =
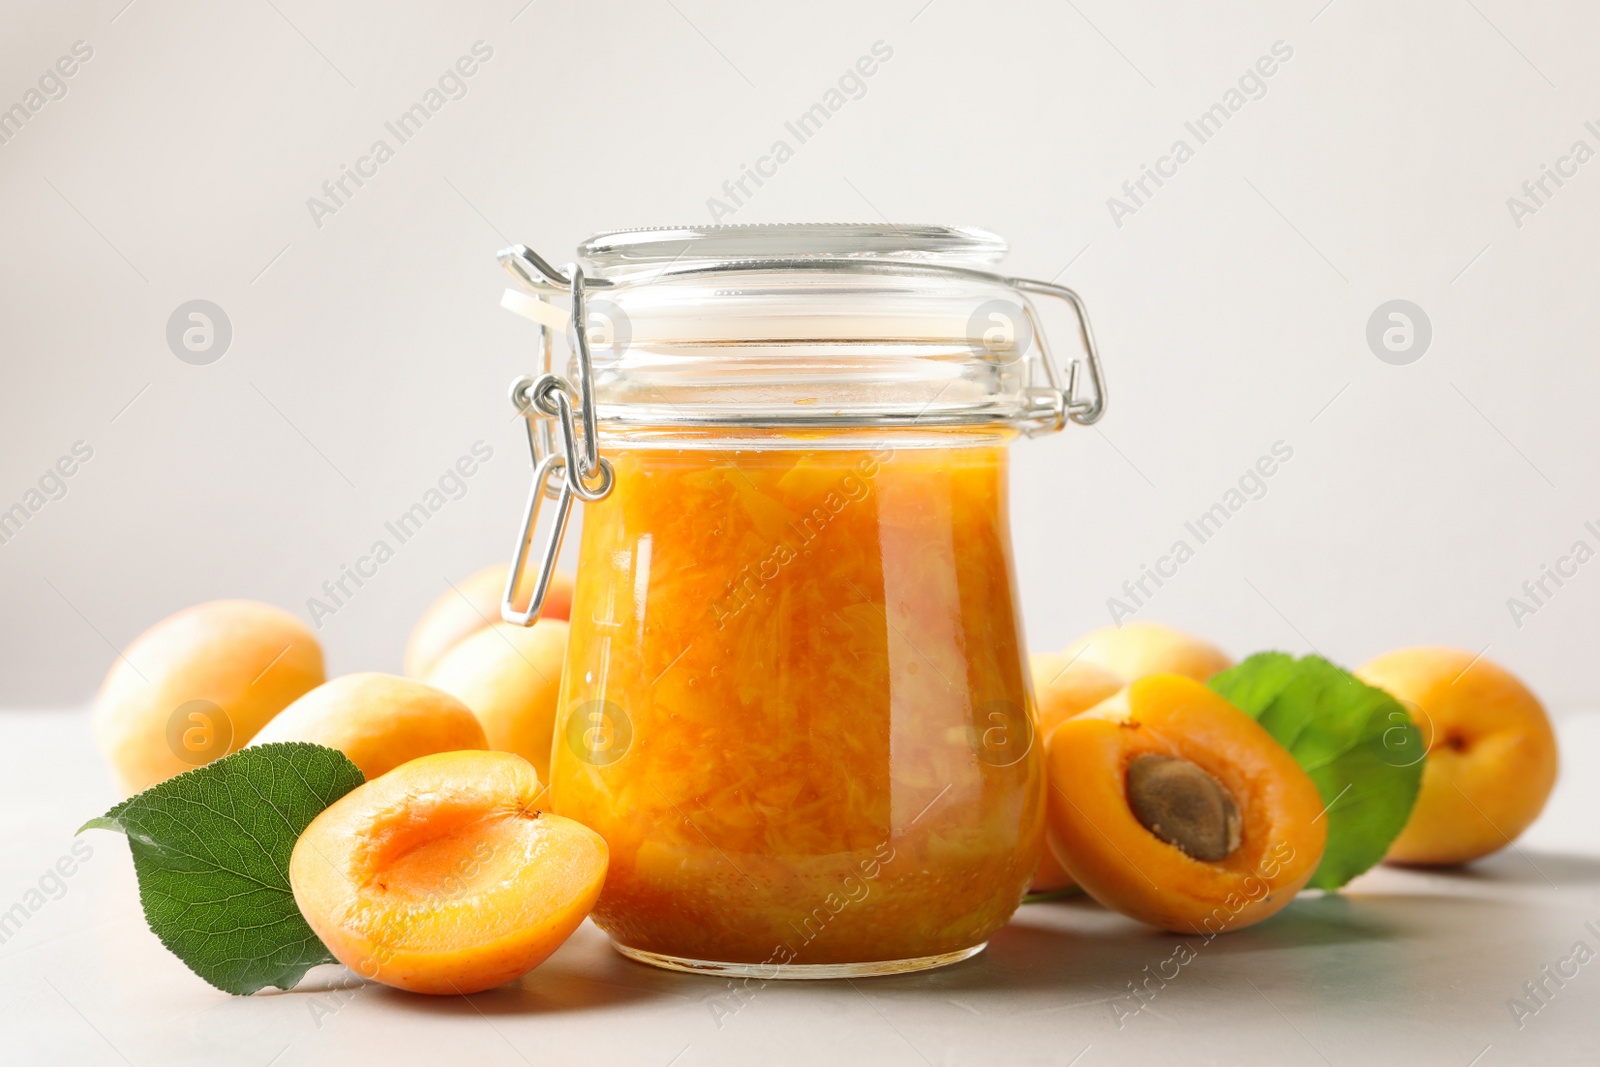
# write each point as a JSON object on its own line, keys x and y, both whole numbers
{"x": 795, "y": 704}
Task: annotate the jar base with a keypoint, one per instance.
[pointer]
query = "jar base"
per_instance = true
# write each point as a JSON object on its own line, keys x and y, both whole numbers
{"x": 798, "y": 971}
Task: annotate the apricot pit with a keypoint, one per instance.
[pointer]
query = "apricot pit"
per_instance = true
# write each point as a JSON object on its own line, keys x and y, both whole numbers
{"x": 1183, "y": 806}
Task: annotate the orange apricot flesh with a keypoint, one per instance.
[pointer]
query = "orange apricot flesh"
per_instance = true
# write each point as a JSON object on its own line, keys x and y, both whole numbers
{"x": 1491, "y": 755}
{"x": 444, "y": 876}
{"x": 469, "y": 606}
{"x": 1124, "y": 865}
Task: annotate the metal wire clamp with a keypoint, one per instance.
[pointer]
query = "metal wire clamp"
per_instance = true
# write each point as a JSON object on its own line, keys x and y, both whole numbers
{"x": 565, "y": 467}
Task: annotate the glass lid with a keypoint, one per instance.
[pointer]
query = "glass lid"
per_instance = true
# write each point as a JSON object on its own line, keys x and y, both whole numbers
{"x": 619, "y": 252}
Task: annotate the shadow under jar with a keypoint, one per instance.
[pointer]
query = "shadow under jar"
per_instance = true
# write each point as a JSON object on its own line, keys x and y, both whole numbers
{"x": 795, "y": 702}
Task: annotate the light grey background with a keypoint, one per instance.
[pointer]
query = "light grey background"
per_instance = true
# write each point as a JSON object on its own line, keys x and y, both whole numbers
{"x": 368, "y": 353}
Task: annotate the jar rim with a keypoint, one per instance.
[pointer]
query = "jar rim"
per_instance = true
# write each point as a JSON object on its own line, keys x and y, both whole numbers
{"x": 662, "y": 248}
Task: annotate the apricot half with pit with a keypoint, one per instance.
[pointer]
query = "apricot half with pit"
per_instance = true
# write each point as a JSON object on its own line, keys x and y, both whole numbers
{"x": 1172, "y": 806}
{"x": 444, "y": 876}
{"x": 1491, "y": 753}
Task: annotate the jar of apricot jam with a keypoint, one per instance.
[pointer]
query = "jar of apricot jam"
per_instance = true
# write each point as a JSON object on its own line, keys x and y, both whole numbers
{"x": 795, "y": 702}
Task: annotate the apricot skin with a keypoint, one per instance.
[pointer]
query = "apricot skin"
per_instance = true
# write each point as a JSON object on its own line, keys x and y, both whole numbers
{"x": 249, "y": 659}
{"x": 1050, "y": 876}
{"x": 1063, "y": 688}
{"x": 510, "y": 676}
{"x": 473, "y": 604}
{"x": 1491, "y": 761}
{"x": 378, "y": 720}
{"x": 1136, "y": 649}
{"x": 1126, "y": 867}
{"x": 444, "y": 877}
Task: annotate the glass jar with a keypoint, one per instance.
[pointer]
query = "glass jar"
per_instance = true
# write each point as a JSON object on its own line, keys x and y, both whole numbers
{"x": 796, "y": 701}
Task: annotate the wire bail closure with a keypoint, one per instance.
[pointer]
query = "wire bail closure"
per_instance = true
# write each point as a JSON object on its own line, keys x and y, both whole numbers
{"x": 1083, "y": 410}
{"x": 565, "y": 467}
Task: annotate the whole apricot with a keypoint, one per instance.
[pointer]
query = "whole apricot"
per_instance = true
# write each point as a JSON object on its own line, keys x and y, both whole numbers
{"x": 1172, "y": 806}
{"x": 1050, "y": 876}
{"x": 510, "y": 676}
{"x": 199, "y": 685}
{"x": 443, "y": 876}
{"x": 1136, "y": 649}
{"x": 471, "y": 605}
{"x": 1064, "y": 687}
{"x": 378, "y": 720}
{"x": 1491, "y": 753}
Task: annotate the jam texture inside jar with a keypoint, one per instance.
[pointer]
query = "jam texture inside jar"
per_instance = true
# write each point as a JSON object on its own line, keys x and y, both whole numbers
{"x": 795, "y": 702}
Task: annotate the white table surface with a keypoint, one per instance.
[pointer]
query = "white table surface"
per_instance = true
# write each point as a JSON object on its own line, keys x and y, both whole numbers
{"x": 1405, "y": 967}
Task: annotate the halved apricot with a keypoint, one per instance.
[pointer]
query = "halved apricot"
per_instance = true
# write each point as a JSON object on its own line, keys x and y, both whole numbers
{"x": 443, "y": 876}
{"x": 1172, "y": 806}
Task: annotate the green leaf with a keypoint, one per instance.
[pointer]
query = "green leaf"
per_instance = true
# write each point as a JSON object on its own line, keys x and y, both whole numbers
{"x": 211, "y": 848}
{"x": 1356, "y": 742}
